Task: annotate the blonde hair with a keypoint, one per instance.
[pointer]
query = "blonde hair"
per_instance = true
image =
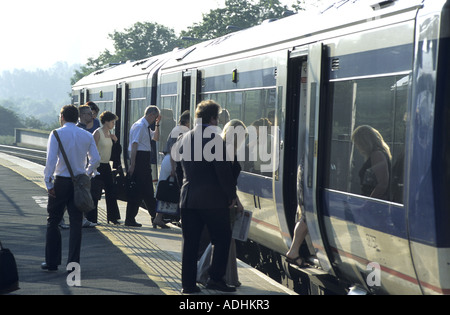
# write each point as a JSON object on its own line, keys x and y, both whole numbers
{"x": 234, "y": 123}
{"x": 368, "y": 140}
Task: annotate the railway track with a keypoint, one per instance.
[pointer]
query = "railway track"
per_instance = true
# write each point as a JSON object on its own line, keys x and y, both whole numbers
{"x": 36, "y": 156}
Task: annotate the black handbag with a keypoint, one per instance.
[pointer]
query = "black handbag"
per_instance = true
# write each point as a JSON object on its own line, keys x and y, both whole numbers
{"x": 168, "y": 190}
{"x": 120, "y": 183}
{"x": 9, "y": 277}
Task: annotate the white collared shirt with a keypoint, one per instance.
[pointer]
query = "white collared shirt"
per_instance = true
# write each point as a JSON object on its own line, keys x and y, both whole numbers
{"x": 78, "y": 145}
{"x": 140, "y": 133}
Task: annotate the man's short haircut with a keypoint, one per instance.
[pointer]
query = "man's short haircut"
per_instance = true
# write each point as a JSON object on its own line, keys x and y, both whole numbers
{"x": 70, "y": 113}
{"x": 107, "y": 116}
{"x": 93, "y": 106}
{"x": 207, "y": 110}
{"x": 185, "y": 118}
{"x": 84, "y": 108}
{"x": 152, "y": 109}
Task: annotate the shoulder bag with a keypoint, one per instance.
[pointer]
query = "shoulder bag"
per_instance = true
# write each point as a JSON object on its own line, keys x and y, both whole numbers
{"x": 9, "y": 277}
{"x": 167, "y": 196}
{"x": 168, "y": 190}
{"x": 81, "y": 184}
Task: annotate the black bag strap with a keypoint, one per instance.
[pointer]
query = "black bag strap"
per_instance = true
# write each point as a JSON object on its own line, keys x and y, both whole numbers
{"x": 63, "y": 153}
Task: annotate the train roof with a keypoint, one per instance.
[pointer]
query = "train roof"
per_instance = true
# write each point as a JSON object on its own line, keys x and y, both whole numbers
{"x": 116, "y": 73}
{"x": 300, "y": 27}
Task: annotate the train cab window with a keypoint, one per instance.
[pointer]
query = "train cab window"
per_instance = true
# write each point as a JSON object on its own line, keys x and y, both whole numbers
{"x": 367, "y": 142}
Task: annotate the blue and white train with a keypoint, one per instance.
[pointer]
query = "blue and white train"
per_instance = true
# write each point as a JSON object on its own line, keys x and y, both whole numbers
{"x": 316, "y": 78}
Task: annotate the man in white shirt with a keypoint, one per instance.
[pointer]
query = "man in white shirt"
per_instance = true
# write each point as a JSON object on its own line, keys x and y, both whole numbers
{"x": 78, "y": 144}
{"x": 140, "y": 170}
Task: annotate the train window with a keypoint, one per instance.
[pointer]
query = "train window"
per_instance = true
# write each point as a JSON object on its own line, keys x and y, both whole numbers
{"x": 168, "y": 119}
{"x": 255, "y": 108}
{"x": 367, "y": 109}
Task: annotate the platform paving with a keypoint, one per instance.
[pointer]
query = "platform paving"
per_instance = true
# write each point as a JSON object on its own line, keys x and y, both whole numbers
{"x": 115, "y": 259}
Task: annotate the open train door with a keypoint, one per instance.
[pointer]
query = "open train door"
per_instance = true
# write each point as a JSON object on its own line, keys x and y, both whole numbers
{"x": 314, "y": 218}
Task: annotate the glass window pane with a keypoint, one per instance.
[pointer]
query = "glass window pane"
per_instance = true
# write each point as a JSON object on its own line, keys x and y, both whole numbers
{"x": 364, "y": 164}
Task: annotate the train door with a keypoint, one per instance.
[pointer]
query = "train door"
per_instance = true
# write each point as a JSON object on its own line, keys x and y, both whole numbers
{"x": 195, "y": 85}
{"x": 124, "y": 124}
{"x": 189, "y": 91}
{"x": 312, "y": 175}
{"x": 355, "y": 161}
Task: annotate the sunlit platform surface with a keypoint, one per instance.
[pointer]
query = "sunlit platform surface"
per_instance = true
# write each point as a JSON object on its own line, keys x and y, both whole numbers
{"x": 151, "y": 257}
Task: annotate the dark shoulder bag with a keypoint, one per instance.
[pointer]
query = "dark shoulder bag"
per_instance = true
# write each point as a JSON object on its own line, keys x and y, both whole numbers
{"x": 9, "y": 277}
{"x": 168, "y": 190}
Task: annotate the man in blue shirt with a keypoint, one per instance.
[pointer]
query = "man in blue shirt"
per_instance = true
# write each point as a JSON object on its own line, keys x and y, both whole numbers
{"x": 77, "y": 144}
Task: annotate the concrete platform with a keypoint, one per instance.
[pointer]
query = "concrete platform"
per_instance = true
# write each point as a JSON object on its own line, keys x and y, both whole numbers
{"x": 152, "y": 257}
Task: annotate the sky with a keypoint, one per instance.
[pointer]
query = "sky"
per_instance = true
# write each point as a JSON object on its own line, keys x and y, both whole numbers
{"x": 38, "y": 34}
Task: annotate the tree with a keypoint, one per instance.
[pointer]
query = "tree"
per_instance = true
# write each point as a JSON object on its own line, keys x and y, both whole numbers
{"x": 8, "y": 121}
{"x": 239, "y": 13}
{"x": 147, "y": 39}
{"x": 140, "y": 41}
{"x": 143, "y": 40}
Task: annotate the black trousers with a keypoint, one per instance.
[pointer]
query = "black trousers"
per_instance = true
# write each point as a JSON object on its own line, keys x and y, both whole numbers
{"x": 142, "y": 175}
{"x": 217, "y": 222}
{"x": 104, "y": 179}
{"x": 55, "y": 208}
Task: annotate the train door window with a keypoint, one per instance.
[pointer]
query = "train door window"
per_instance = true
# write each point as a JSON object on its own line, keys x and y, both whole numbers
{"x": 258, "y": 116}
{"x": 168, "y": 119}
{"x": 372, "y": 110}
{"x": 135, "y": 112}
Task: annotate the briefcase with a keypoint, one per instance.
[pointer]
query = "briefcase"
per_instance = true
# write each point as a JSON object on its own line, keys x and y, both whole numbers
{"x": 9, "y": 278}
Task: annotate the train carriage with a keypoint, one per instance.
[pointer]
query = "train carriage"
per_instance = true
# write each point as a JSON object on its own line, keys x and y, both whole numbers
{"x": 315, "y": 79}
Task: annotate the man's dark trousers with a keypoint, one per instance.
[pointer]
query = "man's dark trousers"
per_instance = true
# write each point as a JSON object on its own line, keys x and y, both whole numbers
{"x": 218, "y": 223}
{"x": 55, "y": 208}
{"x": 142, "y": 175}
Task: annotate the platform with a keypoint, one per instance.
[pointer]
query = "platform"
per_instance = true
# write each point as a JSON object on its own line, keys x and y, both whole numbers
{"x": 116, "y": 259}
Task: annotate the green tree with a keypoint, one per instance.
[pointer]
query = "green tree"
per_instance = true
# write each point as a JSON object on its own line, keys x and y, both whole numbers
{"x": 143, "y": 40}
{"x": 140, "y": 41}
{"x": 238, "y": 13}
{"x": 8, "y": 121}
{"x": 147, "y": 39}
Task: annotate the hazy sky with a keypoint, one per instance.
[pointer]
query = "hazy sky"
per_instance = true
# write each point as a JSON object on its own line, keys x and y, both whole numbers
{"x": 38, "y": 33}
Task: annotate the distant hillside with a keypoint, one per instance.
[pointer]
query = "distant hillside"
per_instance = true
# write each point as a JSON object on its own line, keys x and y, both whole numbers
{"x": 38, "y": 94}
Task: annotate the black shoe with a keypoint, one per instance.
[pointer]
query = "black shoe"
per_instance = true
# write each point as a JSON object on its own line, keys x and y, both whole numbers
{"x": 48, "y": 268}
{"x": 135, "y": 224}
{"x": 220, "y": 286}
{"x": 161, "y": 225}
{"x": 195, "y": 289}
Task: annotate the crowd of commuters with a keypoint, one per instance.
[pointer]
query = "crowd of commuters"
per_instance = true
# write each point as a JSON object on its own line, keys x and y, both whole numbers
{"x": 208, "y": 199}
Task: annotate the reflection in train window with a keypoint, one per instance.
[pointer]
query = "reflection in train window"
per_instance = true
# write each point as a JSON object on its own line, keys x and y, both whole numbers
{"x": 255, "y": 108}
{"x": 381, "y": 104}
{"x": 168, "y": 119}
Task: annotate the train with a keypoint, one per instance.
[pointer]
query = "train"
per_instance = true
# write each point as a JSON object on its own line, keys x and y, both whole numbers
{"x": 316, "y": 78}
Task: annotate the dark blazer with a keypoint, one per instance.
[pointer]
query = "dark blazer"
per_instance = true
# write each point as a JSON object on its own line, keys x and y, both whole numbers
{"x": 116, "y": 151}
{"x": 206, "y": 184}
